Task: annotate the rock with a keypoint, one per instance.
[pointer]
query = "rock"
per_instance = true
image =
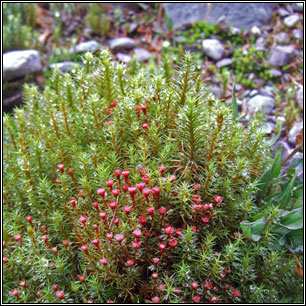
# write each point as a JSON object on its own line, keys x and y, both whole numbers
{"x": 286, "y": 149}
{"x": 64, "y": 66}
{"x": 17, "y": 64}
{"x": 124, "y": 58}
{"x": 240, "y": 15}
{"x": 275, "y": 72}
{"x": 235, "y": 31}
{"x": 224, "y": 62}
{"x": 267, "y": 91}
{"x": 260, "y": 42}
{"x": 268, "y": 128}
{"x": 296, "y": 129}
{"x": 216, "y": 91}
{"x": 253, "y": 92}
{"x": 213, "y": 48}
{"x": 298, "y": 34}
{"x": 255, "y": 31}
{"x": 259, "y": 102}
{"x": 282, "y": 37}
{"x": 121, "y": 43}
{"x": 133, "y": 26}
{"x": 300, "y": 96}
{"x": 142, "y": 54}
{"x": 180, "y": 39}
{"x": 282, "y": 12}
{"x": 90, "y": 46}
{"x": 298, "y": 7}
{"x": 291, "y": 21}
{"x": 280, "y": 55}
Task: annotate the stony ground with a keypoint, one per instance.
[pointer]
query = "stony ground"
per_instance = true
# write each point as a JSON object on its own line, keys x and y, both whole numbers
{"x": 265, "y": 62}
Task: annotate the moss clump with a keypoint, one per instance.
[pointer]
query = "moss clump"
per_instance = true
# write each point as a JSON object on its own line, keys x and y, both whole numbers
{"x": 125, "y": 184}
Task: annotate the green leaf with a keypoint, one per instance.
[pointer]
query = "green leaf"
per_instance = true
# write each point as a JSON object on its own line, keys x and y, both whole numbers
{"x": 286, "y": 194}
{"x": 253, "y": 230}
{"x": 295, "y": 241}
{"x": 277, "y": 163}
{"x": 293, "y": 220}
{"x": 234, "y": 103}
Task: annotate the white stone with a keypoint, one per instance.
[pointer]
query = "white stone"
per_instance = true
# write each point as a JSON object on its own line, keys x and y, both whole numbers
{"x": 224, "y": 62}
{"x": 17, "y": 64}
{"x": 255, "y": 30}
{"x": 291, "y": 20}
{"x": 294, "y": 131}
{"x": 213, "y": 48}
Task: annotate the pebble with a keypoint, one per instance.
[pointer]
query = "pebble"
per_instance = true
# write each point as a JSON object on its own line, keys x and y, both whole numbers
{"x": 216, "y": 91}
{"x": 268, "y": 128}
{"x": 298, "y": 34}
{"x": 280, "y": 55}
{"x": 255, "y": 31}
{"x": 124, "y": 58}
{"x": 259, "y": 102}
{"x": 213, "y": 48}
{"x": 64, "y": 66}
{"x": 300, "y": 96}
{"x": 282, "y": 12}
{"x": 294, "y": 131}
{"x": 121, "y": 43}
{"x": 235, "y": 31}
{"x": 282, "y": 37}
{"x": 298, "y": 7}
{"x": 87, "y": 46}
{"x": 291, "y": 21}
{"x": 142, "y": 54}
{"x": 275, "y": 72}
{"x": 286, "y": 148}
{"x": 17, "y": 64}
{"x": 224, "y": 62}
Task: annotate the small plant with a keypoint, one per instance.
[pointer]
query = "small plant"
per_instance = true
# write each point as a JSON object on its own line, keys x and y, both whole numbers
{"x": 18, "y": 26}
{"x": 97, "y": 19}
{"x": 127, "y": 184}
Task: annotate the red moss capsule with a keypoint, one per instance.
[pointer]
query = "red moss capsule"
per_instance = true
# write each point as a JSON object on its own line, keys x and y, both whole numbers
{"x": 14, "y": 292}
{"x": 196, "y": 298}
{"x": 155, "y": 299}
{"x": 146, "y": 125}
{"x": 101, "y": 192}
{"x": 130, "y": 262}
{"x": 137, "y": 233}
{"x": 81, "y": 278}
{"x": 155, "y": 260}
{"x": 169, "y": 230}
{"x": 119, "y": 238}
{"x": 59, "y": 294}
{"x": 136, "y": 244}
{"x": 54, "y": 287}
{"x": 172, "y": 243}
{"x": 23, "y": 284}
{"x": 60, "y": 167}
{"x": 103, "y": 261}
{"x": 194, "y": 285}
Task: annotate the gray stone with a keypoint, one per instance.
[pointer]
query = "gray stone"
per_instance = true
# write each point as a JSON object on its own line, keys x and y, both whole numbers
{"x": 87, "y": 46}
{"x": 298, "y": 34}
{"x": 280, "y": 55}
{"x": 133, "y": 26}
{"x": 259, "y": 102}
{"x": 216, "y": 91}
{"x": 275, "y": 72}
{"x": 300, "y": 96}
{"x": 17, "y": 64}
{"x": 282, "y": 37}
{"x": 298, "y": 7}
{"x": 224, "y": 62}
{"x": 142, "y": 54}
{"x": 294, "y": 131}
{"x": 124, "y": 58}
{"x": 253, "y": 92}
{"x": 241, "y": 15}
{"x": 260, "y": 42}
{"x": 213, "y": 48}
{"x": 121, "y": 43}
{"x": 291, "y": 21}
{"x": 267, "y": 91}
{"x": 255, "y": 31}
{"x": 286, "y": 149}
{"x": 268, "y": 128}
{"x": 282, "y": 12}
{"x": 64, "y": 66}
